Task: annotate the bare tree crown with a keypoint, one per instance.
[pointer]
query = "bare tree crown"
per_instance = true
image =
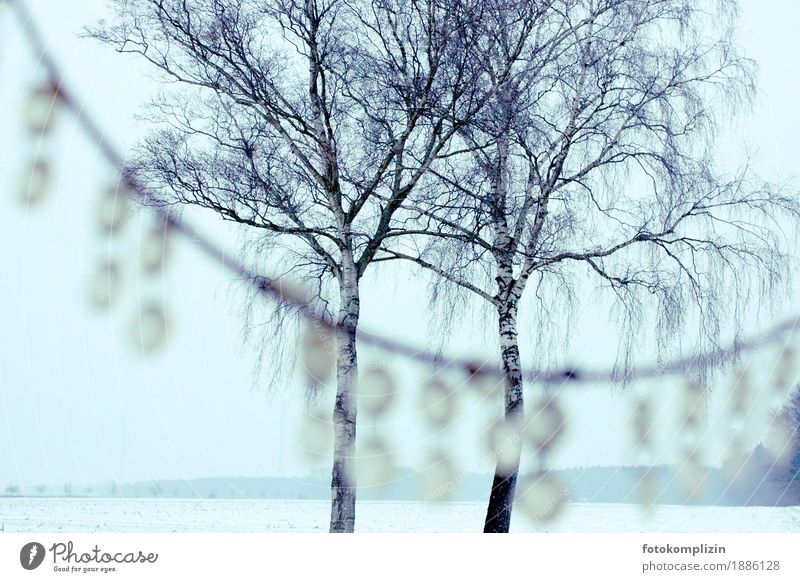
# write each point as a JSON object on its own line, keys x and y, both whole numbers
{"x": 600, "y": 153}
{"x": 313, "y": 119}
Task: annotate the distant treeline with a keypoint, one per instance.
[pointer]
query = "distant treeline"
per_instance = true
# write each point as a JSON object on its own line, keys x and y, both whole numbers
{"x": 760, "y": 483}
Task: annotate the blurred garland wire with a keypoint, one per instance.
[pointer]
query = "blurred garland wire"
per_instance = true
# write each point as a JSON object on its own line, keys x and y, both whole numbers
{"x": 55, "y": 93}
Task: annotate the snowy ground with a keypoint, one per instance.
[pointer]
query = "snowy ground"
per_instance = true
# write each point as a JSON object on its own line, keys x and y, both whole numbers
{"x": 189, "y": 515}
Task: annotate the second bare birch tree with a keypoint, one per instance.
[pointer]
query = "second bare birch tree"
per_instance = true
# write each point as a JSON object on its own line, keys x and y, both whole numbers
{"x": 597, "y": 156}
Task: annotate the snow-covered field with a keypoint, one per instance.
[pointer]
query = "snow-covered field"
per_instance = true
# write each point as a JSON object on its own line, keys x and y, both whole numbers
{"x": 190, "y": 515}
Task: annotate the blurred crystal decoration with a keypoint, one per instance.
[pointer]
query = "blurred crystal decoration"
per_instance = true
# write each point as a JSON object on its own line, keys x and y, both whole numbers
{"x": 374, "y": 463}
{"x": 291, "y": 290}
{"x": 642, "y": 422}
{"x": 691, "y": 473}
{"x": 113, "y": 209}
{"x": 315, "y": 435}
{"x": 439, "y": 479}
{"x": 739, "y": 403}
{"x": 149, "y": 331}
{"x": 692, "y": 401}
{"x": 483, "y": 379}
{"x": 105, "y": 284}
{"x": 37, "y": 182}
{"x": 41, "y": 108}
{"x": 503, "y": 443}
{"x": 545, "y": 423}
{"x": 741, "y": 395}
{"x": 154, "y": 247}
{"x": 784, "y": 376}
{"x": 542, "y": 497}
{"x": 642, "y": 417}
{"x": 779, "y": 433}
{"x": 376, "y": 391}
{"x": 437, "y": 402}
{"x": 647, "y": 490}
{"x": 778, "y": 437}
{"x": 317, "y": 353}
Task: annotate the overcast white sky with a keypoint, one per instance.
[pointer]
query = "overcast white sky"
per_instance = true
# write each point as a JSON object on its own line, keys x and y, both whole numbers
{"x": 77, "y": 405}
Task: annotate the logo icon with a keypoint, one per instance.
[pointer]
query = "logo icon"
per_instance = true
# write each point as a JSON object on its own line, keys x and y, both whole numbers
{"x": 31, "y": 555}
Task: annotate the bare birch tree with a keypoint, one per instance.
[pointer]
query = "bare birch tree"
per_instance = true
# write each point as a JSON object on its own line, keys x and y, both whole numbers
{"x": 291, "y": 117}
{"x": 311, "y": 121}
{"x": 598, "y": 158}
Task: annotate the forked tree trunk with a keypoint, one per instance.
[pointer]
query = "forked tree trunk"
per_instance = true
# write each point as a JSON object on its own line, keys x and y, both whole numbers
{"x": 501, "y": 499}
{"x": 343, "y": 486}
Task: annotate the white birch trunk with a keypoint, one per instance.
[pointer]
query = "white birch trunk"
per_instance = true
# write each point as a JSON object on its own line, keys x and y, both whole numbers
{"x": 343, "y": 486}
{"x": 501, "y": 499}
